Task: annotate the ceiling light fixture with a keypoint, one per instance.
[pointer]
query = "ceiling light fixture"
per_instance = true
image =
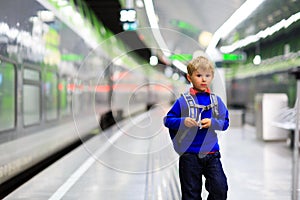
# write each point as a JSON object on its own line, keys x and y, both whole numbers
{"x": 236, "y": 18}
{"x": 262, "y": 34}
{"x": 155, "y": 28}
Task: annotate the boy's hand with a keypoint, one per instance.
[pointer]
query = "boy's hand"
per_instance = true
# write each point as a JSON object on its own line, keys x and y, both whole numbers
{"x": 190, "y": 122}
{"x": 206, "y": 123}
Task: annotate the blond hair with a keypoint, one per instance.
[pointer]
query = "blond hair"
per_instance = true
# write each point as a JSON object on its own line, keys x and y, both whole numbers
{"x": 202, "y": 63}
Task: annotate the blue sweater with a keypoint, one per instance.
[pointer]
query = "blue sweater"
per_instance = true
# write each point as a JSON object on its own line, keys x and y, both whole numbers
{"x": 195, "y": 140}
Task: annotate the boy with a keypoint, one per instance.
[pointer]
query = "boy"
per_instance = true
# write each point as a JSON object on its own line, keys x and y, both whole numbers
{"x": 195, "y": 140}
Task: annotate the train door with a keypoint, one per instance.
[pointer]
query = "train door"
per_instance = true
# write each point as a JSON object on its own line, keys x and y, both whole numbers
{"x": 8, "y": 97}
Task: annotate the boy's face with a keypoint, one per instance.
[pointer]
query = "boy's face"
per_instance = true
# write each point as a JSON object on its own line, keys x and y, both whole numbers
{"x": 201, "y": 79}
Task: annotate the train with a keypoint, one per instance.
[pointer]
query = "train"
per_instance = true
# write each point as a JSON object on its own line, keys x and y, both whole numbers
{"x": 63, "y": 75}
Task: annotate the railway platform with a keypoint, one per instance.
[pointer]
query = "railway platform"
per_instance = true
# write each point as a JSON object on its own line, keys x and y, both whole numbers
{"x": 135, "y": 160}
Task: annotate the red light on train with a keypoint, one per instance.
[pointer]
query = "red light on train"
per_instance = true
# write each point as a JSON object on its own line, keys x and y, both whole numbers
{"x": 102, "y": 88}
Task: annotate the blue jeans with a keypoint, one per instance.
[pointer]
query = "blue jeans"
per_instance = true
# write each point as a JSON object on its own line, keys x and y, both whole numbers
{"x": 192, "y": 167}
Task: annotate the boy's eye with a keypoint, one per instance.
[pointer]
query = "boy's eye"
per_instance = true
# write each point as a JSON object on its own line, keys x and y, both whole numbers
{"x": 206, "y": 75}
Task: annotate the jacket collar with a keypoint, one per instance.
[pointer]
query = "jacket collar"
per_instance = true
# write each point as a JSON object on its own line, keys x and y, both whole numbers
{"x": 194, "y": 91}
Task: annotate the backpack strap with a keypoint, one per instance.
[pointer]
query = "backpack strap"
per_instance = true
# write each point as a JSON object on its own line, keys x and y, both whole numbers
{"x": 194, "y": 108}
{"x": 214, "y": 103}
{"x": 193, "y": 111}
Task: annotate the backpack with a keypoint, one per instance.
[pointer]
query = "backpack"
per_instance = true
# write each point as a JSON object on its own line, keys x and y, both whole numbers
{"x": 194, "y": 108}
{"x": 195, "y": 113}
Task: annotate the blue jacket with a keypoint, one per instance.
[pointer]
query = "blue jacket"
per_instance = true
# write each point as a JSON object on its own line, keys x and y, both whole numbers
{"x": 195, "y": 140}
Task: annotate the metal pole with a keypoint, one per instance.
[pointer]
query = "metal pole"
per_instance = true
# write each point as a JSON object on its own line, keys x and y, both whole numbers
{"x": 295, "y": 172}
{"x": 296, "y": 148}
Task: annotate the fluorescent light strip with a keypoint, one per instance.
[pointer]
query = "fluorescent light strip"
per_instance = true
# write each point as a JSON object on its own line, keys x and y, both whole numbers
{"x": 88, "y": 36}
{"x": 262, "y": 34}
{"x": 238, "y": 16}
{"x": 155, "y": 28}
{"x": 157, "y": 35}
{"x": 180, "y": 65}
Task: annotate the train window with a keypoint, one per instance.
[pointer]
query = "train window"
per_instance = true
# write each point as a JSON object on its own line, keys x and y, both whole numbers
{"x": 30, "y": 74}
{"x": 7, "y": 96}
{"x": 31, "y": 97}
{"x": 65, "y": 98}
{"x": 51, "y": 95}
{"x": 31, "y": 104}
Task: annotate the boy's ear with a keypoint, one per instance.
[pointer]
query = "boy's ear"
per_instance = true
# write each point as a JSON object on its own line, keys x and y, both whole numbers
{"x": 188, "y": 77}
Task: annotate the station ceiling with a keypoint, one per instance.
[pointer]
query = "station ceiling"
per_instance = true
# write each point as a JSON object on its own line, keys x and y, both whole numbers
{"x": 176, "y": 17}
{"x": 269, "y": 13}
{"x": 108, "y": 12}
{"x": 181, "y": 23}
